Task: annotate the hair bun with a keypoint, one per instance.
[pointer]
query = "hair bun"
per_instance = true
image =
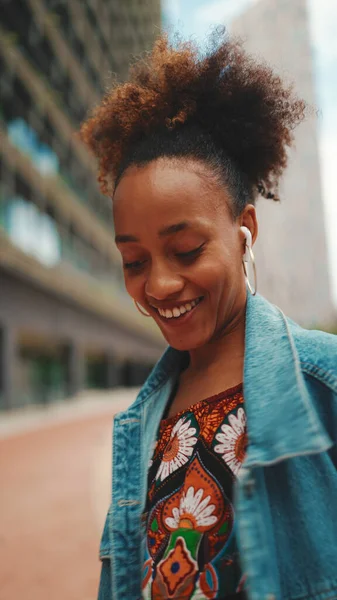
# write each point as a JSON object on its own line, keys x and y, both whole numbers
{"x": 249, "y": 112}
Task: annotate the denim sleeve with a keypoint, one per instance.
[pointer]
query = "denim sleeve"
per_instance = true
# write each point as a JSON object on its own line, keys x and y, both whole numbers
{"x": 104, "y": 591}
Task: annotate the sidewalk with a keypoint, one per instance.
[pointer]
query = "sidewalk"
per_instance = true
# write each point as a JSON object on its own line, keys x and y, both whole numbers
{"x": 87, "y": 403}
{"x": 55, "y": 467}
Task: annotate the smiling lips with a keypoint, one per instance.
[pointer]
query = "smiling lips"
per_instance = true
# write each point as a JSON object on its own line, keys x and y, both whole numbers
{"x": 177, "y": 311}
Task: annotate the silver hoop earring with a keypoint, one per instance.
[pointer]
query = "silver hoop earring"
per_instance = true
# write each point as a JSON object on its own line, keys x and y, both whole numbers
{"x": 142, "y": 312}
{"x": 252, "y": 258}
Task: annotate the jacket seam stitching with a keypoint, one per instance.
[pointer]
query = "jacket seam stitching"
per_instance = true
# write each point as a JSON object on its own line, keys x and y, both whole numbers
{"x": 142, "y": 400}
{"x": 293, "y": 351}
{"x": 297, "y": 361}
{"x": 137, "y": 403}
{"x": 325, "y": 377}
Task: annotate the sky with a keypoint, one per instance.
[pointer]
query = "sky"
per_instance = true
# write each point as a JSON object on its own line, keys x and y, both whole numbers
{"x": 197, "y": 17}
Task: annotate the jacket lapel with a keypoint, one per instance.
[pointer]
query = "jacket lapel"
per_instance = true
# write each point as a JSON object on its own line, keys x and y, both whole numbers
{"x": 281, "y": 418}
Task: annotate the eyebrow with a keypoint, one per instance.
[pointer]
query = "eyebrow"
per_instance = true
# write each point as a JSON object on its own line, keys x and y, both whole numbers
{"x": 175, "y": 228}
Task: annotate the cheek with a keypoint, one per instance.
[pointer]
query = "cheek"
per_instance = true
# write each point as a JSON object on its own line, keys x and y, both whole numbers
{"x": 213, "y": 273}
{"x": 218, "y": 275}
{"x": 134, "y": 286}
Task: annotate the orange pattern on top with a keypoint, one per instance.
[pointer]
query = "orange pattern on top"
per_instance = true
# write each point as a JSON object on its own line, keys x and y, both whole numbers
{"x": 208, "y": 416}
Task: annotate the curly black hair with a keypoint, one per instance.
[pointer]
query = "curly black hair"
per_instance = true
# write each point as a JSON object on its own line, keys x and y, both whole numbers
{"x": 221, "y": 106}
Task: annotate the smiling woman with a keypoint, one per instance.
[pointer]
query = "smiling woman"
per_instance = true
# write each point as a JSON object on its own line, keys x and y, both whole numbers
{"x": 187, "y": 252}
{"x": 241, "y": 405}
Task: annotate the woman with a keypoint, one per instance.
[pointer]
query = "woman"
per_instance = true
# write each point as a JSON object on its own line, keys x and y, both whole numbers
{"x": 184, "y": 148}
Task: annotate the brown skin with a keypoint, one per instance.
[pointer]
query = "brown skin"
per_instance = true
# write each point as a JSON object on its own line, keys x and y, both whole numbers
{"x": 168, "y": 192}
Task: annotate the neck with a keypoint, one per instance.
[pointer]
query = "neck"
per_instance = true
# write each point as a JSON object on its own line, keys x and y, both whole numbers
{"x": 227, "y": 349}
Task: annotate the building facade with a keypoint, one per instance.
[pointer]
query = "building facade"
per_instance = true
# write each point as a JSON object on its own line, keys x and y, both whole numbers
{"x": 291, "y": 249}
{"x": 66, "y": 322}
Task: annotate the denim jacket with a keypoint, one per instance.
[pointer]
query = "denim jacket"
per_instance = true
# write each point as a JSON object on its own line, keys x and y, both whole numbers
{"x": 286, "y": 492}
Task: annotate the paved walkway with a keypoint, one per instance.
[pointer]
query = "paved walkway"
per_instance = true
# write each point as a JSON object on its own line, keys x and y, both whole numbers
{"x": 55, "y": 488}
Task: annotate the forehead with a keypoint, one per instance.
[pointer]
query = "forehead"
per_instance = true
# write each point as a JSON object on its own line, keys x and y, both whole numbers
{"x": 167, "y": 190}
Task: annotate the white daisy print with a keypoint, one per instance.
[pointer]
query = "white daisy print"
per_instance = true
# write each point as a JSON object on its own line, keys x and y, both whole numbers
{"x": 179, "y": 448}
{"x": 194, "y": 512}
{"x": 233, "y": 441}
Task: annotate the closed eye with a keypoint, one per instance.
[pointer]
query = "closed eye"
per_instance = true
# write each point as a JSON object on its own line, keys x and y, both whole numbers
{"x": 136, "y": 265}
{"x": 191, "y": 253}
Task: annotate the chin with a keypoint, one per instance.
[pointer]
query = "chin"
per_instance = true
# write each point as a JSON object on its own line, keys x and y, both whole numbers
{"x": 186, "y": 344}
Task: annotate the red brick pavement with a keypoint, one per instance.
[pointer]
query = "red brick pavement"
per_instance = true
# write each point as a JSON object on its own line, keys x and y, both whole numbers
{"x": 54, "y": 495}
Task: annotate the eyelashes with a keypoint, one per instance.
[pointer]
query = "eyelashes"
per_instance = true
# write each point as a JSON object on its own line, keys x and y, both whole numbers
{"x": 191, "y": 253}
{"x": 189, "y": 256}
{"x": 137, "y": 265}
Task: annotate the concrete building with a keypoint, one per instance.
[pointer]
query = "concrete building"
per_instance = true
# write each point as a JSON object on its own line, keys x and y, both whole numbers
{"x": 291, "y": 249}
{"x": 66, "y": 322}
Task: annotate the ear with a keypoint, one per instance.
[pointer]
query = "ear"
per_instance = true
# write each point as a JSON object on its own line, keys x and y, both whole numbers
{"x": 248, "y": 218}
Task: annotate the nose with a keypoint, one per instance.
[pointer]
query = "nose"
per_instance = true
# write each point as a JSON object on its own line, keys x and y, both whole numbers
{"x": 163, "y": 282}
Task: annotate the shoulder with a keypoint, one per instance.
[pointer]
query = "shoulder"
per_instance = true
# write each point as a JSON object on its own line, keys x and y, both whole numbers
{"x": 317, "y": 351}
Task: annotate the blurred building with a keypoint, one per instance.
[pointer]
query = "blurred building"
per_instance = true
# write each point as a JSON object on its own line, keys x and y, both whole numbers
{"x": 291, "y": 249}
{"x": 66, "y": 322}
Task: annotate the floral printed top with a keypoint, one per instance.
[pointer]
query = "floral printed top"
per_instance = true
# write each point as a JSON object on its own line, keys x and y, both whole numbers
{"x": 191, "y": 550}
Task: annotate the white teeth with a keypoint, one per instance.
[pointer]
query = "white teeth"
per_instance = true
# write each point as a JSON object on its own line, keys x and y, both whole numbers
{"x": 176, "y": 312}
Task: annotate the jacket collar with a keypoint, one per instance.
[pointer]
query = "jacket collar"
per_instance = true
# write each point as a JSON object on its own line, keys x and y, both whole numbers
{"x": 281, "y": 417}
{"x": 282, "y": 420}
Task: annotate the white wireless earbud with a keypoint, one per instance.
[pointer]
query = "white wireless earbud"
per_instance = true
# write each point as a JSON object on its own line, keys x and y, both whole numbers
{"x": 248, "y": 257}
{"x": 249, "y": 242}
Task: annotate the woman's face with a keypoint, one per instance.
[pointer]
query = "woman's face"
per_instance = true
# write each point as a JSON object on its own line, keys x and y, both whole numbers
{"x": 181, "y": 249}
